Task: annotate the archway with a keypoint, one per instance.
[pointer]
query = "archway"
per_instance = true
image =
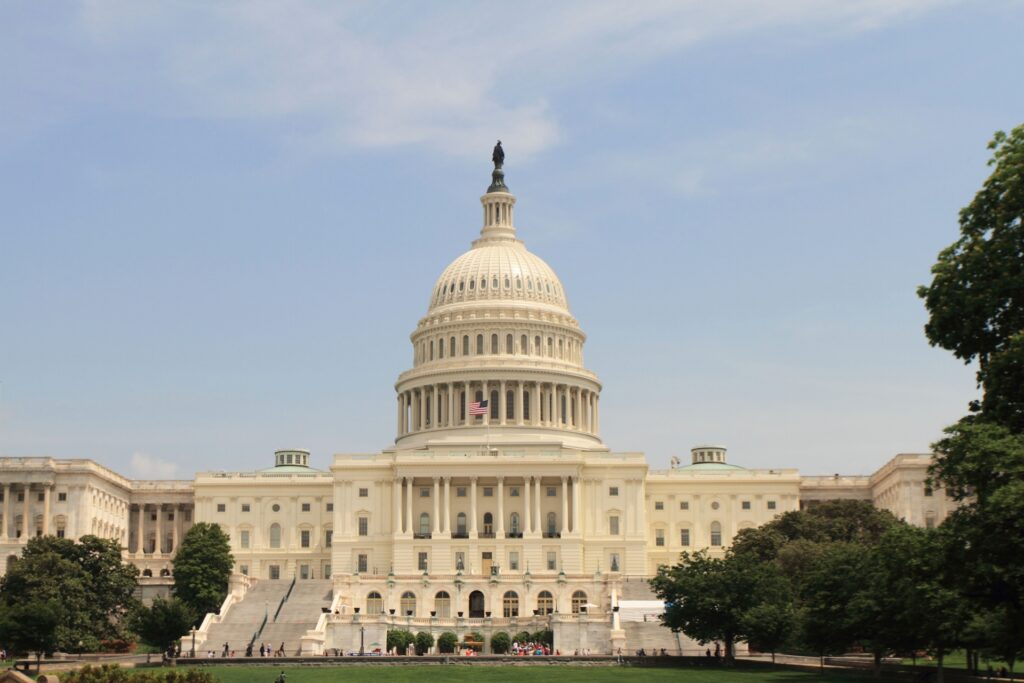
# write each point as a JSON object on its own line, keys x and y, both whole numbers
{"x": 476, "y": 605}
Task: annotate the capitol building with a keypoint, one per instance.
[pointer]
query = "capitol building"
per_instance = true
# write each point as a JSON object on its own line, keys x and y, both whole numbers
{"x": 497, "y": 508}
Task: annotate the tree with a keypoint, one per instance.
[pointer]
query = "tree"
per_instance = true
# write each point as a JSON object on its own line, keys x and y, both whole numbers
{"x": 424, "y": 641}
{"x": 500, "y": 643}
{"x": 1002, "y": 632}
{"x": 202, "y": 568}
{"x": 447, "y": 642}
{"x": 92, "y": 589}
{"x": 399, "y": 640}
{"x": 769, "y": 626}
{"x": 829, "y": 585}
{"x": 163, "y": 622}
{"x": 31, "y": 626}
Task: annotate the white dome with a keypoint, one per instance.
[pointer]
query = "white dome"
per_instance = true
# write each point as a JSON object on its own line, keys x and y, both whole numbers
{"x": 498, "y": 271}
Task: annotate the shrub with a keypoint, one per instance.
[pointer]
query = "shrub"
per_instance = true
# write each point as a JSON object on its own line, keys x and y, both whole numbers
{"x": 500, "y": 643}
{"x": 523, "y": 637}
{"x": 115, "y": 674}
{"x": 474, "y": 640}
{"x": 545, "y": 637}
{"x": 447, "y": 641}
{"x": 400, "y": 639}
{"x": 424, "y": 641}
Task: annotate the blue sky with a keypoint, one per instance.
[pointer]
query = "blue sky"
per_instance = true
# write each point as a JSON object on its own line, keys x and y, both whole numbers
{"x": 219, "y": 222}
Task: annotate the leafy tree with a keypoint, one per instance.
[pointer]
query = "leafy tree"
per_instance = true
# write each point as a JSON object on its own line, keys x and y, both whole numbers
{"x": 424, "y": 641}
{"x": 202, "y": 568}
{"x": 163, "y": 622}
{"x": 829, "y": 586}
{"x": 92, "y": 589}
{"x": 500, "y": 643}
{"x": 834, "y": 520}
{"x": 400, "y": 639}
{"x": 544, "y": 637}
{"x": 1002, "y": 632}
{"x": 523, "y": 637}
{"x": 769, "y": 626}
{"x": 447, "y": 642}
{"x": 31, "y": 626}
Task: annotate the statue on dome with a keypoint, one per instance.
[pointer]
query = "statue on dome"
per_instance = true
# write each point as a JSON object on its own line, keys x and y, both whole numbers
{"x": 498, "y": 157}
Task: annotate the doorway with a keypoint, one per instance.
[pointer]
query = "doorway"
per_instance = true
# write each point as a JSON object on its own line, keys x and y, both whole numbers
{"x": 476, "y": 605}
{"x": 486, "y": 561}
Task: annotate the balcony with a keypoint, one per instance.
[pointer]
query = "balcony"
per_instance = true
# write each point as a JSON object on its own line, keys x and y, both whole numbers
{"x": 460, "y": 534}
{"x": 486, "y": 534}
{"x": 421, "y": 535}
{"x": 552, "y": 534}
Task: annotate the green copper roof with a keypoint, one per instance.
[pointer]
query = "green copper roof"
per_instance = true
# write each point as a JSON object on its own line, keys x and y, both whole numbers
{"x": 290, "y": 469}
{"x": 712, "y": 466}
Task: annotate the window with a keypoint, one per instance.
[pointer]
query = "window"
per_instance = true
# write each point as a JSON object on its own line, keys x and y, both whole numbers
{"x": 60, "y": 532}
{"x": 304, "y": 538}
{"x": 361, "y": 567}
{"x": 408, "y": 604}
{"x": 330, "y": 507}
{"x": 304, "y": 571}
{"x": 61, "y": 497}
{"x": 40, "y": 497}
{"x": 275, "y": 535}
{"x": 275, "y": 507}
{"x": 928, "y": 491}
{"x": 545, "y": 602}
{"x": 510, "y": 604}
{"x": 929, "y": 521}
{"x": 243, "y": 538}
{"x": 244, "y": 569}
{"x": 659, "y": 537}
{"x": 422, "y": 563}
{"x": 513, "y": 561}
{"x": 374, "y": 603}
{"x": 327, "y": 571}
{"x": 552, "y": 560}
{"x": 508, "y": 343}
{"x": 245, "y": 507}
{"x": 552, "y": 492}
{"x": 716, "y": 534}
{"x": 684, "y": 505}
{"x": 745, "y": 505}
{"x": 771, "y": 504}
{"x": 424, "y": 524}
{"x": 465, "y": 346}
{"x": 488, "y": 523}
{"x": 488, "y": 491}
{"x": 552, "y": 523}
{"x": 188, "y": 515}
{"x": 460, "y": 491}
{"x": 513, "y": 523}
{"x": 443, "y": 604}
{"x": 364, "y": 526}
{"x": 460, "y": 561}
{"x": 579, "y": 602}
{"x": 714, "y": 505}
{"x": 513, "y": 491}
{"x": 613, "y": 525}
{"x": 494, "y": 344}
{"x": 613, "y": 490}
{"x": 424, "y": 492}
{"x": 659, "y": 505}
{"x": 221, "y": 507}
{"x": 460, "y": 524}
{"x": 328, "y": 538}
{"x": 364, "y": 493}
{"x": 684, "y": 537}
{"x": 275, "y": 572}
{"x": 479, "y": 344}
{"x": 613, "y": 562}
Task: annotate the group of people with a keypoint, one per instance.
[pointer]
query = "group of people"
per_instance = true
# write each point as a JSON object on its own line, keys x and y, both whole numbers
{"x": 529, "y": 649}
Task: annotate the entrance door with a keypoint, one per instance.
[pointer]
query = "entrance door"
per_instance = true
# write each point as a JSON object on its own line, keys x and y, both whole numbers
{"x": 486, "y": 560}
{"x": 476, "y": 604}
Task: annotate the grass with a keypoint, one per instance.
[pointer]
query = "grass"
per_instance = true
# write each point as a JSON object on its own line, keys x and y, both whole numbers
{"x": 954, "y": 660}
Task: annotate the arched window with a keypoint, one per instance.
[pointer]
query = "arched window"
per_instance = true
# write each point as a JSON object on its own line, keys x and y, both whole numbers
{"x": 509, "y": 344}
{"x": 552, "y": 524}
{"x": 483, "y": 283}
{"x": 374, "y": 603}
{"x": 424, "y": 524}
{"x": 275, "y": 535}
{"x": 551, "y": 347}
{"x": 494, "y": 282}
{"x": 443, "y": 605}
{"x": 579, "y": 602}
{"x": 488, "y": 523}
{"x": 494, "y": 344}
{"x": 472, "y": 285}
{"x": 545, "y": 602}
{"x": 526, "y": 405}
{"x": 440, "y": 348}
{"x": 513, "y": 523}
{"x": 510, "y": 604}
{"x": 479, "y": 344}
{"x": 716, "y": 534}
{"x": 510, "y": 405}
{"x": 493, "y": 405}
{"x": 431, "y": 349}
{"x": 465, "y": 345}
{"x": 460, "y": 524}
{"x": 524, "y": 344}
{"x": 451, "y": 348}
{"x": 561, "y": 349}
{"x": 408, "y": 604}
{"x": 536, "y": 345}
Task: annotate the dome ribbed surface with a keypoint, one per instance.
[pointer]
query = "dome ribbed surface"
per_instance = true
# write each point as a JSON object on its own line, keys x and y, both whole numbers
{"x": 500, "y": 271}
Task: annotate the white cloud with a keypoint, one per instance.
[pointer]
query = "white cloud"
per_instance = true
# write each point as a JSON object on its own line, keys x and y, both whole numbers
{"x": 148, "y": 467}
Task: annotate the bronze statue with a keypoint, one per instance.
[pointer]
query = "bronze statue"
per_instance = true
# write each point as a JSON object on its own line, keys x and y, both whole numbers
{"x": 498, "y": 157}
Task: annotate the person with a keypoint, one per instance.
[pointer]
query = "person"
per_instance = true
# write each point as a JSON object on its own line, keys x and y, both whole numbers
{"x": 281, "y": 650}
{"x": 248, "y": 650}
{"x": 707, "y": 653}
{"x": 263, "y": 651}
{"x": 225, "y": 652}
{"x": 718, "y": 650}
{"x": 280, "y": 679}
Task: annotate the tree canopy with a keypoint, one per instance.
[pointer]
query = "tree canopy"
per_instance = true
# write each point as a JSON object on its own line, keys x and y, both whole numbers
{"x": 202, "y": 568}
{"x": 163, "y": 622}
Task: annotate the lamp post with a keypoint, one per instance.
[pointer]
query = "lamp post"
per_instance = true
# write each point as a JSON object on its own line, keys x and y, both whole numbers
{"x": 193, "y": 654}
{"x": 362, "y": 632}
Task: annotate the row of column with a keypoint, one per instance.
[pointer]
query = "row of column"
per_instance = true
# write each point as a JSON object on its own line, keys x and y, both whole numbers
{"x": 404, "y": 489}
{"x": 535, "y": 404}
{"x": 26, "y": 518}
{"x": 176, "y": 527}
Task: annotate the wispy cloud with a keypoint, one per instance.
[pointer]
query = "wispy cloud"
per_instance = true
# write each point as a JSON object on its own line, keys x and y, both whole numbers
{"x": 148, "y": 467}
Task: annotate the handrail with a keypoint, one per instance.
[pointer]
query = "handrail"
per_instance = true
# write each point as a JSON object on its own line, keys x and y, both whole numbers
{"x": 257, "y": 633}
{"x": 285, "y": 598}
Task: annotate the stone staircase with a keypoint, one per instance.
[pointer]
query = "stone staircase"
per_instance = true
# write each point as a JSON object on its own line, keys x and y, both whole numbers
{"x": 243, "y": 618}
{"x": 299, "y": 614}
{"x": 636, "y": 588}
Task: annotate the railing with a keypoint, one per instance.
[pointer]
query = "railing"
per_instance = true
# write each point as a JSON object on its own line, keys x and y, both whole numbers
{"x": 422, "y": 535}
{"x": 285, "y": 598}
{"x": 552, "y": 534}
{"x": 256, "y": 634}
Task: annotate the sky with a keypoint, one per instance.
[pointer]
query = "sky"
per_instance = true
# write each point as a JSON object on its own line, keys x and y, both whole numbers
{"x": 220, "y": 222}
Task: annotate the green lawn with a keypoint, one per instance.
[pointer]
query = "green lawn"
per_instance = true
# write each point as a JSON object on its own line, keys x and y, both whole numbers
{"x": 519, "y": 674}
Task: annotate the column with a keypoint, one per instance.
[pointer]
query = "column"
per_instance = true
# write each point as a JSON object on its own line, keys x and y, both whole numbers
{"x": 408, "y": 504}
{"x": 487, "y": 397}
{"x": 565, "y": 506}
{"x": 576, "y": 505}
{"x": 448, "y": 505}
{"x": 537, "y": 521}
{"x": 597, "y": 413}
{"x": 174, "y": 527}
{"x": 577, "y": 409}
{"x": 501, "y": 507}
{"x": 451, "y": 408}
{"x": 472, "y": 506}
{"x": 437, "y": 501}
{"x": 396, "y": 495}
{"x": 159, "y": 528}
{"x": 535, "y": 404}
{"x": 423, "y": 408}
{"x": 527, "y": 507}
{"x": 519, "y": 403}
{"x": 502, "y": 408}
{"x": 435, "y": 410}
{"x": 46, "y": 509}
{"x": 469, "y": 399}
{"x": 7, "y": 512}
{"x": 398, "y": 423}
{"x": 140, "y": 545}
{"x": 25, "y": 519}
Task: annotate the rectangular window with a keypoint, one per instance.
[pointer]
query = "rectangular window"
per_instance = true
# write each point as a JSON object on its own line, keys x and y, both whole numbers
{"x": 364, "y": 493}
{"x": 424, "y": 492}
{"x": 552, "y": 492}
{"x": 275, "y": 572}
{"x": 243, "y": 538}
{"x": 306, "y": 507}
{"x": 613, "y": 562}
{"x": 745, "y": 505}
{"x": 330, "y": 507}
{"x": 422, "y": 563}
{"x": 659, "y": 537}
{"x": 684, "y": 505}
{"x": 364, "y": 526}
{"x": 221, "y": 507}
{"x": 62, "y": 497}
{"x": 303, "y": 571}
{"x": 513, "y": 561}
{"x": 552, "y": 560}
{"x": 362, "y": 564}
{"x": 60, "y": 533}
{"x": 327, "y": 571}
{"x": 928, "y": 491}
{"x": 460, "y": 561}
{"x": 245, "y": 507}
{"x": 513, "y": 491}
{"x": 305, "y": 538}
{"x": 460, "y": 491}
{"x": 613, "y": 490}
{"x": 684, "y": 537}
{"x": 659, "y": 505}
{"x": 152, "y": 517}
{"x": 771, "y": 504}
{"x": 21, "y": 497}
{"x": 613, "y": 525}
{"x": 929, "y": 522}
{"x": 188, "y": 515}
{"x": 488, "y": 492}
{"x": 40, "y": 497}
{"x": 244, "y": 569}
{"x": 329, "y": 538}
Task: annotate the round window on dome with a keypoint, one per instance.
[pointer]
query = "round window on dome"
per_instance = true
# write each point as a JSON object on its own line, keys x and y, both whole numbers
{"x": 483, "y": 283}
{"x": 472, "y": 284}
{"x": 462, "y": 285}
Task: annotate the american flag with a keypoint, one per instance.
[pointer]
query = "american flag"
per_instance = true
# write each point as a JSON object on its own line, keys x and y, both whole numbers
{"x": 478, "y": 408}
